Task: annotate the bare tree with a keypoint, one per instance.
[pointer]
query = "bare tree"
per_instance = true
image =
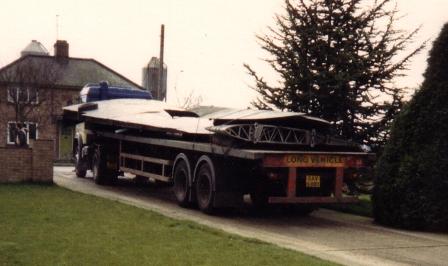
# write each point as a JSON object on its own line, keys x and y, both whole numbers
{"x": 189, "y": 101}
{"x": 27, "y": 92}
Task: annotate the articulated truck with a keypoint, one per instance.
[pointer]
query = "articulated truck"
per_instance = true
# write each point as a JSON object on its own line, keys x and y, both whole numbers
{"x": 213, "y": 156}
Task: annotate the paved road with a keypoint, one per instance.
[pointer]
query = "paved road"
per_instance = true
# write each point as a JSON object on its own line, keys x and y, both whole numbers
{"x": 346, "y": 239}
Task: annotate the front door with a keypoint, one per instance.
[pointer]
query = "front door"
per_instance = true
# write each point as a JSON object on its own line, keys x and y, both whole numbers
{"x": 65, "y": 142}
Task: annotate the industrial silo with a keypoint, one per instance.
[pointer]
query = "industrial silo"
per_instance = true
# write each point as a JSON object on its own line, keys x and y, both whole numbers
{"x": 150, "y": 78}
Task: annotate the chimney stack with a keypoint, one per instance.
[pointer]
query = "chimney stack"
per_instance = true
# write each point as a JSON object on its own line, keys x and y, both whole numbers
{"x": 61, "y": 49}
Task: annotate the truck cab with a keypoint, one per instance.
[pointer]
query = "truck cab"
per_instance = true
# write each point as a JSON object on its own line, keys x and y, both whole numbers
{"x": 94, "y": 92}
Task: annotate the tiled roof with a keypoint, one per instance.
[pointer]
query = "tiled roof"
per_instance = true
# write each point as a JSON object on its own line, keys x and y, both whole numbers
{"x": 71, "y": 72}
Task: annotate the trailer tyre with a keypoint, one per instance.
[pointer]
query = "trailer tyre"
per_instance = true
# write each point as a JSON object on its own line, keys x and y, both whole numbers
{"x": 205, "y": 193}
{"x": 181, "y": 183}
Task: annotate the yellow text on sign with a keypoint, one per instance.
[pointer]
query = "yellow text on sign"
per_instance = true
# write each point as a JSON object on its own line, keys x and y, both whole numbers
{"x": 308, "y": 160}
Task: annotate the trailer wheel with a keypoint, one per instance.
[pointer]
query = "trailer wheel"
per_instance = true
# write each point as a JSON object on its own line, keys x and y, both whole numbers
{"x": 181, "y": 183}
{"x": 99, "y": 167}
{"x": 204, "y": 188}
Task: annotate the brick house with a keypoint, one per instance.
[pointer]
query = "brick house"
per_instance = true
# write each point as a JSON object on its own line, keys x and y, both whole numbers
{"x": 35, "y": 87}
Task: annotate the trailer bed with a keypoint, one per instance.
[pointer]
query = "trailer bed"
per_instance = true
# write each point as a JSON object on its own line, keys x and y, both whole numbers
{"x": 215, "y": 155}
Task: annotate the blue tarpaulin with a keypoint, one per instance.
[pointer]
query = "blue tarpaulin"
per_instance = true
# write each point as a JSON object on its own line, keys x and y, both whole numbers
{"x": 102, "y": 91}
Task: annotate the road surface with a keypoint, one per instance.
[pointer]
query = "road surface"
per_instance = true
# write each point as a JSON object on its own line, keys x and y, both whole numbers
{"x": 342, "y": 238}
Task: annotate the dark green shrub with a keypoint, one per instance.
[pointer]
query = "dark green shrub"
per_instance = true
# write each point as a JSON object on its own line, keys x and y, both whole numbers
{"x": 411, "y": 182}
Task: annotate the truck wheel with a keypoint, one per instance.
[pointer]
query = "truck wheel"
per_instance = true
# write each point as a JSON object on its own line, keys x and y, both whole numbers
{"x": 181, "y": 184}
{"x": 99, "y": 168}
{"x": 204, "y": 189}
{"x": 80, "y": 168}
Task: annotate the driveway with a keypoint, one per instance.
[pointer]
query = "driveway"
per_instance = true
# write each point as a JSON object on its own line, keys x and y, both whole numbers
{"x": 342, "y": 238}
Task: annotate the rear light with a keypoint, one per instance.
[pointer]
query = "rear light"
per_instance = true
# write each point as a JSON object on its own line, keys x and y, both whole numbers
{"x": 274, "y": 176}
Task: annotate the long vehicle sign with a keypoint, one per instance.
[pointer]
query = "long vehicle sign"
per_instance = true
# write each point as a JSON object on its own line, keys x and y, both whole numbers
{"x": 312, "y": 160}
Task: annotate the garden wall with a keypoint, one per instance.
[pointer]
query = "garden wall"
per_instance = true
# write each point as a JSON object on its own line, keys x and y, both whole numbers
{"x": 29, "y": 164}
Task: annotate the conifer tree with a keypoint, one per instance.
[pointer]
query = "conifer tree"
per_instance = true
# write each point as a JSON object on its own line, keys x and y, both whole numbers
{"x": 336, "y": 60}
{"x": 411, "y": 186}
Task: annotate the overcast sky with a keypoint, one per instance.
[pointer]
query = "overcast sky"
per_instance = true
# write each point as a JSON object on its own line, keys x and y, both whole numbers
{"x": 206, "y": 44}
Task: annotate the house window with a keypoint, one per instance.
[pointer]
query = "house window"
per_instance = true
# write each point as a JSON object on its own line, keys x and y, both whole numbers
{"x": 32, "y": 132}
{"x": 33, "y": 96}
{"x": 12, "y": 94}
{"x": 23, "y": 95}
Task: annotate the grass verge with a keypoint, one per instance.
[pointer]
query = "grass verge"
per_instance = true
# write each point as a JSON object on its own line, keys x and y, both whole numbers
{"x": 363, "y": 207}
{"x": 48, "y": 225}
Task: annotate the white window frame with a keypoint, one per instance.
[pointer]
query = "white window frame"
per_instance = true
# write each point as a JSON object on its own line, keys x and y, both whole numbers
{"x": 37, "y": 96}
{"x": 18, "y": 90}
{"x": 28, "y": 133}
{"x": 9, "y": 96}
{"x": 8, "y": 128}
{"x": 27, "y": 125}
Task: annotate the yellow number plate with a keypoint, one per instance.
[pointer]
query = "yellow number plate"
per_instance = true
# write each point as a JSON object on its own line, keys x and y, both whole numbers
{"x": 312, "y": 181}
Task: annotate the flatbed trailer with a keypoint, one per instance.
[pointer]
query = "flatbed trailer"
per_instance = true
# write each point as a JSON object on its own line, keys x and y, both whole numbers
{"x": 216, "y": 164}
